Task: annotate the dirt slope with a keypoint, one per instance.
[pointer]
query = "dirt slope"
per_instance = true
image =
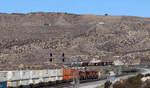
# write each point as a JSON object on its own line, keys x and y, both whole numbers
{"x": 29, "y": 38}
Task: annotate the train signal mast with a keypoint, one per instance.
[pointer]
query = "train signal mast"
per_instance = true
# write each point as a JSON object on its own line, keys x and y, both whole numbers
{"x": 76, "y": 80}
{"x": 63, "y": 57}
{"x": 51, "y": 57}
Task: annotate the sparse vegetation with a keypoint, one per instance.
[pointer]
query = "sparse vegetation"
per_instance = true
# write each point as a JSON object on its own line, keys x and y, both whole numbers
{"x": 133, "y": 82}
{"x": 117, "y": 70}
{"x": 24, "y": 38}
{"x": 106, "y": 14}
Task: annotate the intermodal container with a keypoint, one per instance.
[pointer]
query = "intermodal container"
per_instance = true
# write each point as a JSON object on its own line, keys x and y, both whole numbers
{"x": 3, "y": 76}
{"x": 13, "y": 75}
{"x": 25, "y": 74}
{"x": 3, "y": 84}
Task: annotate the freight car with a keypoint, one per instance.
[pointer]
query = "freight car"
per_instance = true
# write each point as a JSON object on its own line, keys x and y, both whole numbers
{"x": 3, "y": 84}
{"x": 39, "y": 78}
{"x": 83, "y": 64}
{"x": 30, "y": 77}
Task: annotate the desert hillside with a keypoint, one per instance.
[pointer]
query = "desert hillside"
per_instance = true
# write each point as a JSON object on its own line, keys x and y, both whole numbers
{"x": 28, "y": 39}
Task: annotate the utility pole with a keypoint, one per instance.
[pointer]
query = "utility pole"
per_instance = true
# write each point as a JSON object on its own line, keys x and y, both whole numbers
{"x": 73, "y": 77}
{"x": 77, "y": 74}
{"x": 76, "y": 80}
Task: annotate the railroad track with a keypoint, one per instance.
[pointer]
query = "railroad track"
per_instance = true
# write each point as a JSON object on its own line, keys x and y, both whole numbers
{"x": 70, "y": 85}
{"x": 85, "y": 83}
{"x": 62, "y": 85}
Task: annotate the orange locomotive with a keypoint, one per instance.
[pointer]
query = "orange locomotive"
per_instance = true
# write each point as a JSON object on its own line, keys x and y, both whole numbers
{"x": 68, "y": 75}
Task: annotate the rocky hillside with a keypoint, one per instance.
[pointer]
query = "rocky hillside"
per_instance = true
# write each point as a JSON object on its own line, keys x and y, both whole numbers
{"x": 29, "y": 38}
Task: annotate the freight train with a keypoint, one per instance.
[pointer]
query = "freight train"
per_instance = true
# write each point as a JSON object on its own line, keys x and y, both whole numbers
{"x": 39, "y": 78}
{"x": 83, "y": 64}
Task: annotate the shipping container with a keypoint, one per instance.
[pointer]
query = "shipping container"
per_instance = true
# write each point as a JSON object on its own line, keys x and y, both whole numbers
{"x": 26, "y": 77}
{"x": 59, "y": 78}
{"x": 13, "y": 75}
{"x": 40, "y": 80}
{"x": 46, "y": 79}
{"x": 53, "y": 78}
{"x": 3, "y": 76}
{"x": 3, "y": 84}
{"x": 34, "y": 81}
{"x": 53, "y": 72}
{"x": 59, "y": 74}
{"x": 35, "y": 74}
{"x": 45, "y": 73}
{"x": 24, "y": 82}
{"x": 14, "y": 84}
{"x": 25, "y": 74}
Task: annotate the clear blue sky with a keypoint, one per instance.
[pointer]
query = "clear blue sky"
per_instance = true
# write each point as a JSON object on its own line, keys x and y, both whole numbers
{"x": 99, "y": 7}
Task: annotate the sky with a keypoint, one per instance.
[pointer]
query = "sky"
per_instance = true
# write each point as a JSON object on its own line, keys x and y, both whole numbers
{"x": 98, "y": 7}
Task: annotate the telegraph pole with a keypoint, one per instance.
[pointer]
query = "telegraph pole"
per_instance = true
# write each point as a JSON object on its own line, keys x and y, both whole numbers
{"x": 76, "y": 80}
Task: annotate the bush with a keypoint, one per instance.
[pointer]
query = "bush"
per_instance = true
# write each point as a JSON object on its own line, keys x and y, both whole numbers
{"x": 105, "y": 14}
{"x": 133, "y": 82}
